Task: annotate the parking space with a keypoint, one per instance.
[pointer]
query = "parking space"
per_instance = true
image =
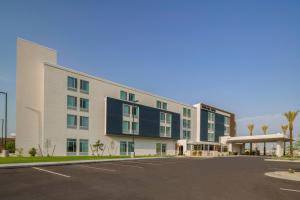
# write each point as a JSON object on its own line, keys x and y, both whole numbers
{"x": 173, "y": 178}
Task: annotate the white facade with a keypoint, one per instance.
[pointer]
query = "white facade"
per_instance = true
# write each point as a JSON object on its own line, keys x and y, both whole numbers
{"x": 42, "y": 107}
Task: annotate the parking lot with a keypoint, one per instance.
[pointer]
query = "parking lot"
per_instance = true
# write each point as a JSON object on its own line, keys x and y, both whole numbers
{"x": 172, "y": 178}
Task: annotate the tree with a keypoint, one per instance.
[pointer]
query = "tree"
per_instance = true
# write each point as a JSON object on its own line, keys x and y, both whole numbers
{"x": 264, "y": 128}
{"x": 11, "y": 146}
{"x": 291, "y": 116}
{"x": 32, "y": 151}
{"x": 284, "y": 129}
{"x": 250, "y": 128}
{"x": 98, "y": 146}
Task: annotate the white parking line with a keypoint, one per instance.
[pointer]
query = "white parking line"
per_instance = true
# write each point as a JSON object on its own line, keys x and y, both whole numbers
{"x": 98, "y": 168}
{"x": 148, "y": 163}
{"x": 290, "y": 190}
{"x": 124, "y": 165}
{"x": 51, "y": 172}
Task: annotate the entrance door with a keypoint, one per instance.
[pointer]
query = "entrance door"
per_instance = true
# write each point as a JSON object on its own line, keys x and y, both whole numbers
{"x": 180, "y": 150}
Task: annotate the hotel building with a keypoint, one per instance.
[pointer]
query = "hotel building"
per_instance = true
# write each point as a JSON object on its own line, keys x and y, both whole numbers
{"x": 61, "y": 111}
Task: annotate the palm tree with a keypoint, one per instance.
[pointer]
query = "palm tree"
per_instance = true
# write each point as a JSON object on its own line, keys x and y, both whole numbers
{"x": 291, "y": 116}
{"x": 250, "y": 128}
{"x": 284, "y": 129}
{"x": 264, "y": 128}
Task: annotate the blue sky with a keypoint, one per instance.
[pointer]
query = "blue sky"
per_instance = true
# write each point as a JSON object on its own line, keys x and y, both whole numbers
{"x": 243, "y": 56}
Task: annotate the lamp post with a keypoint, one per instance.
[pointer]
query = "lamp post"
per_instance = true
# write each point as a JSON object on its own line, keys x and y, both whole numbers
{"x": 2, "y": 122}
{"x": 133, "y": 105}
{"x": 5, "y": 135}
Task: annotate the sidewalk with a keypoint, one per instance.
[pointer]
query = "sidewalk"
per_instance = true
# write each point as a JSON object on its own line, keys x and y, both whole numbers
{"x": 278, "y": 160}
{"x": 36, "y": 164}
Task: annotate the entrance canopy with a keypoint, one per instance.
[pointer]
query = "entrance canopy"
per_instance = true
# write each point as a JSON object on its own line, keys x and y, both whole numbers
{"x": 258, "y": 138}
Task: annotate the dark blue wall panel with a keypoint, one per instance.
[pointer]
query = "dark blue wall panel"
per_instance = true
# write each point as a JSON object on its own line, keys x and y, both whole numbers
{"x": 149, "y": 119}
{"x": 219, "y": 126}
{"x": 204, "y": 125}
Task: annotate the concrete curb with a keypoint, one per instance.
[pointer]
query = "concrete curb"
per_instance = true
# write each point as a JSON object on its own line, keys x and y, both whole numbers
{"x": 39, "y": 164}
{"x": 284, "y": 175}
{"x": 291, "y": 161}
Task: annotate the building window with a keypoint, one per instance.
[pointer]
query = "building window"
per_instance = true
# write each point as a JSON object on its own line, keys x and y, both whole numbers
{"x": 123, "y": 95}
{"x": 169, "y": 118}
{"x": 158, "y": 104}
{"x": 84, "y": 104}
{"x": 130, "y": 147}
{"x": 161, "y": 149}
{"x": 184, "y": 112}
{"x": 211, "y": 116}
{"x": 184, "y": 122}
{"x": 162, "y": 117}
{"x": 72, "y": 83}
{"x": 71, "y": 102}
{"x": 227, "y": 130}
{"x": 84, "y": 86}
{"x": 188, "y": 123}
{"x": 131, "y": 97}
{"x": 211, "y": 127}
{"x": 186, "y": 134}
{"x": 162, "y": 131}
{"x": 168, "y": 131}
{"x": 71, "y": 121}
{"x": 123, "y": 148}
{"x": 226, "y": 120}
{"x": 71, "y": 147}
{"x": 189, "y": 112}
{"x": 211, "y": 137}
{"x": 126, "y": 110}
{"x": 84, "y": 123}
{"x": 126, "y": 126}
{"x": 83, "y": 147}
{"x": 135, "y": 127}
{"x": 164, "y": 106}
{"x": 135, "y": 111}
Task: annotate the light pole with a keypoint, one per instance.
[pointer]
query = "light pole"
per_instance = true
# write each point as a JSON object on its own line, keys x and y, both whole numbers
{"x": 133, "y": 106}
{"x": 2, "y": 122}
{"x": 5, "y": 136}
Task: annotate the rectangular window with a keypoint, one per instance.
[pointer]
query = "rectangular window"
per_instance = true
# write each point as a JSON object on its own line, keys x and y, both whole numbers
{"x": 184, "y": 112}
{"x": 125, "y": 126}
{"x": 211, "y": 137}
{"x": 169, "y": 118}
{"x": 211, "y": 127}
{"x": 84, "y": 104}
{"x": 71, "y": 121}
{"x": 168, "y": 131}
{"x": 123, "y": 95}
{"x": 72, "y": 83}
{"x": 84, "y": 122}
{"x": 164, "y": 106}
{"x": 135, "y": 111}
{"x": 123, "y": 148}
{"x": 187, "y": 135}
{"x": 135, "y": 128}
{"x": 71, "y": 147}
{"x": 163, "y": 149}
{"x": 158, "y": 104}
{"x": 188, "y": 123}
{"x": 211, "y": 116}
{"x": 126, "y": 110}
{"x": 130, "y": 147}
{"x": 226, "y": 120}
{"x": 158, "y": 148}
{"x": 162, "y": 131}
{"x": 184, "y": 123}
{"x": 189, "y": 112}
{"x": 227, "y": 130}
{"x": 84, "y": 86}
{"x": 162, "y": 117}
{"x": 131, "y": 97}
{"x": 71, "y": 102}
{"x": 83, "y": 147}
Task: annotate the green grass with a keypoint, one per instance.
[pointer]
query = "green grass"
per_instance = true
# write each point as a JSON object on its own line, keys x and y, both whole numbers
{"x": 9, "y": 160}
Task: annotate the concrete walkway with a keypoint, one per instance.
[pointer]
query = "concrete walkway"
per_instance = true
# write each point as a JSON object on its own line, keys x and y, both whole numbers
{"x": 284, "y": 175}
{"x": 278, "y": 160}
{"x": 36, "y": 164}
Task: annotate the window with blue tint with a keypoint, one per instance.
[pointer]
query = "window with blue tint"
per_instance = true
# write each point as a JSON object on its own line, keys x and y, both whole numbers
{"x": 162, "y": 117}
{"x": 211, "y": 127}
{"x": 211, "y": 137}
{"x": 226, "y": 120}
{"x": 189, "y": 112}
{"x": 162, "y": 131}
{"x": 83, "y": 147}
{"x": 71, "y": 147}
{"x": 71, "y": 121}
{"x": 158, "y": 104}
{"x": 123, "y": 148}
{"x": 84, "y": 122}
{"x": 135, "y": 111}
{"x": 72, "y": 83}
{"x": 131, "y": 97}
{"x": 135, "y": 127}
{"x": 169, "y": 118}
{"x": 126, "y": 126}
{"x": 168, "y": 131}
{"x": 130, "y": 147}
{"x": 71, "y": 102}
{"x": 84, "y": 104}
{"x": 123, "y": 95}
{"x": 126, "y": 110}
{"x": 211, "y": 116}
{"x": 84, "y": 86}
{"x": 164, "y": 106}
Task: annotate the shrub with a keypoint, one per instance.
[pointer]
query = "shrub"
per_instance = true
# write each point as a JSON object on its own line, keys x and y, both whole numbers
{"x": 19, "y": 152}
{"x": 291, "y": 170}
{"x": 32, "y": 151}
{"x": 10, "y": 146}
